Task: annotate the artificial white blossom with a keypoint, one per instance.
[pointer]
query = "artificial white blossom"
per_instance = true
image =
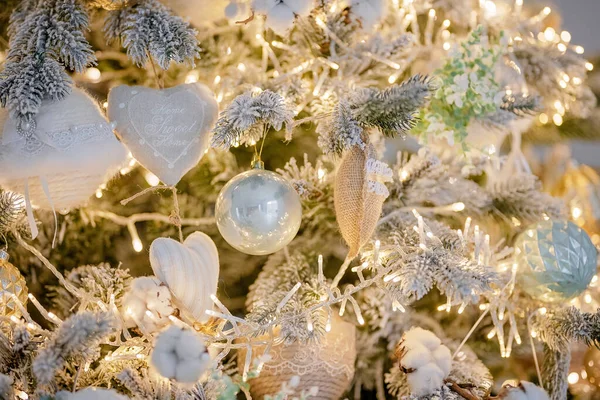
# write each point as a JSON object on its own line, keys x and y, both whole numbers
{"x": 281, "y": 14}
{"x": 147, "y": 304}
{"x": 180, "y": 354}
{"x": 522, "y": 390}
{"x": 91, "y": 393}
{"x": 425, "y": 360}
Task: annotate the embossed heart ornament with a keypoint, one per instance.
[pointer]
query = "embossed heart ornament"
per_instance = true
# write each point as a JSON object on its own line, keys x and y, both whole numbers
{"x": 166, "y": 130}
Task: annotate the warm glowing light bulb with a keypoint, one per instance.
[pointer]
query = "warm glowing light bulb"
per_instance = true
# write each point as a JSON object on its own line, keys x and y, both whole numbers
{"x": 576, "y": 212}
{"x": 546, "y": 11}
{"x": 93, "y": 74}
{"x": 557, "y": 119}
{"x": 152, "y": 179}
{"x": 549, "y": 34}
{"x": 589, "y": 66}
{"x": 458, "y": 206}
{"x": 543, "y": 118}
{"x": 573, "y": 378}
{"x": 137, "y": 245}
{"x": 565, "y": 36}
{"x": 579, "y": 49}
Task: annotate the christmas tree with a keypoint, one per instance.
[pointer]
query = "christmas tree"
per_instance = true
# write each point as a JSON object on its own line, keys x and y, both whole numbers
{"x": 295, "y": 199}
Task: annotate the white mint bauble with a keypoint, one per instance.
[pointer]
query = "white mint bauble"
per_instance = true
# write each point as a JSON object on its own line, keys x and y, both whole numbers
{"x": 190, "y": 270}
{"x": 61, "y": 163}
{"x": 258, "y": 212}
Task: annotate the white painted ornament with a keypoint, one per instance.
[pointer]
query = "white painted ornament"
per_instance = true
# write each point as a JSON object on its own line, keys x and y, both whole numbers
{"x": 258, "y": 212}
{"x": 61, "y": 162}
{"x": 190, "y": 270}
{"x": 180, "y": 354}
{"x": 167, "y": 130}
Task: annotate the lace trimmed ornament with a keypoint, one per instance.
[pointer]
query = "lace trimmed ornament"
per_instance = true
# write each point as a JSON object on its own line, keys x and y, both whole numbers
{"x": 168, "y": 130}
{"x": 327, "y": 364}
{"x": 64, "y": 159}
{"x": 359, "y": 194}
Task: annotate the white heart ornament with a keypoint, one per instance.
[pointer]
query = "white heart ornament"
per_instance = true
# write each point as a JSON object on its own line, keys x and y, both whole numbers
{"x": 166, "y": 130}
{"x": 190, "y": 270}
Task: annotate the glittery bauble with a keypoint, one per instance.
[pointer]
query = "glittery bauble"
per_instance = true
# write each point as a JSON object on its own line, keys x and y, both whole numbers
{"x": 12, "y": 284}
{"x": 556, "y": 259}
{"x": 258, "y": 212}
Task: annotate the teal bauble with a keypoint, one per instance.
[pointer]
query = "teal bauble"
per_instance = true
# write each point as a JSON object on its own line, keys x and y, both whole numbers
{"x": 556, "y": 260}
{"x": 258, "y": 212}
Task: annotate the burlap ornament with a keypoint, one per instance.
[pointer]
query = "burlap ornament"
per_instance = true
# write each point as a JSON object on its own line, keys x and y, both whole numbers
{"x": 359, "y": 194}
{"x": 328, "y": 364}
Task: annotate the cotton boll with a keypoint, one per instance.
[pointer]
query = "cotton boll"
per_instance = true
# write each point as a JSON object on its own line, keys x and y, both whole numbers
{"x": 147, "y": 294}
{"x": 91, "y": 393}
{"x": 369, "y": 12}
{"x": 425, "y": 360}
{"x": 425, "y": 380}
{"x": 443, "y": 359}
{"x": 180, "y": 355}
{"x": 300, "y": 7}
{"x": 522, "y": 390}
{"x": 280, "y": 18}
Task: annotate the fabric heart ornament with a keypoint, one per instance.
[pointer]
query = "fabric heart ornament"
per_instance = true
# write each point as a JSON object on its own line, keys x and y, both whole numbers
{"x": 167, "y": 130}
{"x": 190, "y": 270}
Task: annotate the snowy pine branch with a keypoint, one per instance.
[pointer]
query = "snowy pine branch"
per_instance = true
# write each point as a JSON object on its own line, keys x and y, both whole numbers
{"x": 394, "y": 110}
{"x": 76, "y": 339}
{"x": 249, "y": 115}
{"x": 43, "y": 35}
{"x": 149, "y": 29}
{"x": 341, "y": 131}
{"x": 564, "y": 326}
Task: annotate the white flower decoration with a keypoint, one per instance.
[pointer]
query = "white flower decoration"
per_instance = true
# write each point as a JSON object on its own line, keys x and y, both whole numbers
{"x": 282, "y": 13}
{"x": 180, "y": 354}
{"x": 522, "y": 390}
{"x": 425, "y": 360}
{"x": 147, "y": 304}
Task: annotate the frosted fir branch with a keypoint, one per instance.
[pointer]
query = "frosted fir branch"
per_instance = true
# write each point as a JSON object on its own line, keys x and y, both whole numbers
{"x": 11, "y": 208}
{"x": 78, "y": 339}
{"x": 520, "y": 105}
{"x": 149, "y": 29}
{"x": 555, "y": 372}
{"x": 249, "y": 116}
{"x": 43, "y": 35}
{"x": 393, "y": 110}
{"x": 519, "y": 196}
{"x": 341, "y": 131}
{"x": 132, "y": 381}
{"x": 560, "y": 328}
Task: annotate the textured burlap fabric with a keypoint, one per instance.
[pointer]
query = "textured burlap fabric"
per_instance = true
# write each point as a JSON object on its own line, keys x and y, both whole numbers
{"x": 358, "y": 199}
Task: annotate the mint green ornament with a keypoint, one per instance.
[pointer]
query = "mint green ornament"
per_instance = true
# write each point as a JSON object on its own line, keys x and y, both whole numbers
{"x": 556, "y": 259}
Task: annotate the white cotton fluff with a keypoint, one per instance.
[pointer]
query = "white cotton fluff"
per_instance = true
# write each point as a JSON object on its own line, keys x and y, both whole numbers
{"x": 369, "y": 12}
{"x": 147, "y": 293}
{"x": 280, "y": 14}
{"x": 428, "y": 360}
{"x": 91, "y": 393}
{"x": 180, "y": 354}
{"x": 523, "y": 390}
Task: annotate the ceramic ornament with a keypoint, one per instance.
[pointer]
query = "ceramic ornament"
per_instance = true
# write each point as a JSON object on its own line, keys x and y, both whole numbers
{"x": 189, "y": 269}
{"x": 166, "y": 130}
{"x": 62, "y": 161}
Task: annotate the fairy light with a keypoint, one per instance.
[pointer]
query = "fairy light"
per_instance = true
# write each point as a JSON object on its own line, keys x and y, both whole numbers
{"x": 152, "y": 179}
{"x": 446, "y": 46}
{"x": 21, "y": 394}
{"x": 489, "y": 9}
{"x": 549, "y": 34}
{"x": 579, "y": 49}
{"x": 192, "y": 77}
{"x": 105, "y": 105}
{"x": 543, "y": 118}
{"x": 587, "y": 298}
{"x": 217, "y": 80}
{"x": 446, "y": 24}
{"x": 565, "y": 36}
{"x": 576, "y": 212}
{"x": 228, "y": 51}
{"x": 561, "y": 47}
{"x": 93, "y": 74}
{"x": 460, "y": 206}
{"x": 491, "y": 333}
{"x": 320, "y": 174}
{"x": 557, "y": 119}
{"x": 393, "y": 77}
{"x": 546, "y": 11}
{"x": 14, "y": 319}
{"x": 573, "y": 378}
{"x": 99, "y": 193}
{"x": 241, "y": 67}
{"x": 137, "y": 245}
{"x": 562, "y": 84}
{"x": 589, "y": 66}
{"x": 576, "y": 81}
